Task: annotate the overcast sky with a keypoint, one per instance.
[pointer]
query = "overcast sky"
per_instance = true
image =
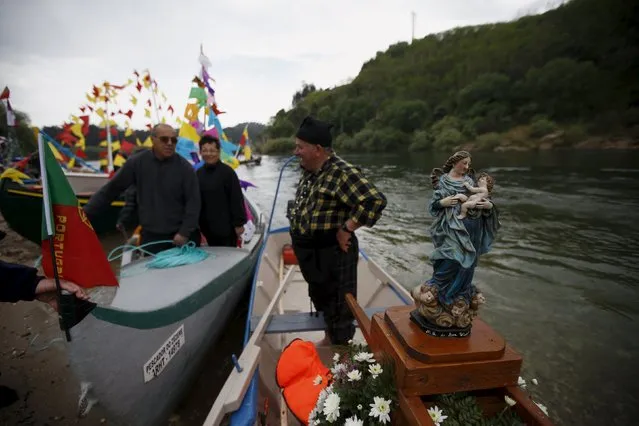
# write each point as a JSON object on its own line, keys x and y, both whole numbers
{"x": 53, "y": 51}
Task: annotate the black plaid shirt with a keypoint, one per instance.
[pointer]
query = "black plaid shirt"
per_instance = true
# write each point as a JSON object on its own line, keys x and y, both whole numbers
{"x": 337, "y": 192}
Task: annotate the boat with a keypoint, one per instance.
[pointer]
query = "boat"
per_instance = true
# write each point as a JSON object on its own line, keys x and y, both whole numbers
{"x": 140, "y": 348}
{"x": 253, "y": 161}
{"x": 21, "y": 207}
{"x": 84, "y": 182}
{"x": 279, "y": 314}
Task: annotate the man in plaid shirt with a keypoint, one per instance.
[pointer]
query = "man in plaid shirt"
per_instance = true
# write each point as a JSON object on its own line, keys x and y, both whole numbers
{"x": 333, "y": 199}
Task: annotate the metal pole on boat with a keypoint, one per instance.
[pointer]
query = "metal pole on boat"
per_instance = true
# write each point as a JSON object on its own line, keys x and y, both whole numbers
{"x": 108, "y": 132}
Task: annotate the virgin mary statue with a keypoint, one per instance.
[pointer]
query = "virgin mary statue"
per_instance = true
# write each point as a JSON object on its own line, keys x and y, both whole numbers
{"x": 448, "y": 301}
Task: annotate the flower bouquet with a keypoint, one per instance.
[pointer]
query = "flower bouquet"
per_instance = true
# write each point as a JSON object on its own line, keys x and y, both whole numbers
{"x": 362, "y": 390}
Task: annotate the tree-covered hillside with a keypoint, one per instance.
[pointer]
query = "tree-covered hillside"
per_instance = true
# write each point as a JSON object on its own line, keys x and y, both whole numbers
{"x": 557, "y": 79}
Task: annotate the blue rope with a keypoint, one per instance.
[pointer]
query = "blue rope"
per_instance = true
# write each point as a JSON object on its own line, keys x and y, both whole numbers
{"x": 188, "y": 254}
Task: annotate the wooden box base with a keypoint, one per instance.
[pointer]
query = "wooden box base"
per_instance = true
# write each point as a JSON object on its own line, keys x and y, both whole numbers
{"x": 426, "y": 365}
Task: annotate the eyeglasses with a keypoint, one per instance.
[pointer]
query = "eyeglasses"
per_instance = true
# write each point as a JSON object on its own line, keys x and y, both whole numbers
{"x": 166, "y": 139}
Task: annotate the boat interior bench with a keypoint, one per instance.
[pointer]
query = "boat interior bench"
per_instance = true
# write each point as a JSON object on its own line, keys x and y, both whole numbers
{"x": 301, "y": 321}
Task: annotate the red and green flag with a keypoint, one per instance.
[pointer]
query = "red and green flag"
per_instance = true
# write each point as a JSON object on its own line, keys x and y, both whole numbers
{"x": 77, "y": 253}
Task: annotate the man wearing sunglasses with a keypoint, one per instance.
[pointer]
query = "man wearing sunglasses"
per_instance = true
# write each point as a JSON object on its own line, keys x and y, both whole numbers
{"x": 168, "y": 196}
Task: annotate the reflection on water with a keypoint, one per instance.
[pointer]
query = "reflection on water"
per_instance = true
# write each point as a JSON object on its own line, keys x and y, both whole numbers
{"x": 561, "y": 280}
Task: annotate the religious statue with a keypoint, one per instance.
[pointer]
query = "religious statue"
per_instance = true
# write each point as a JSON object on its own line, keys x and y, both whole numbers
{"x": 465, "y": 226}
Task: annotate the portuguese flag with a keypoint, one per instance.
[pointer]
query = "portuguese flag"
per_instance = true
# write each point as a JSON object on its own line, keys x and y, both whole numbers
{"x": 77, "y": 251}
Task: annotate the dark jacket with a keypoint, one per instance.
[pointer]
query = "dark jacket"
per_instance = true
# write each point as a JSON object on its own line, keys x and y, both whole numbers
{"x": 222, "y": 200}
{"x": 168, "y": 199}
{"x": 17, "y": 282}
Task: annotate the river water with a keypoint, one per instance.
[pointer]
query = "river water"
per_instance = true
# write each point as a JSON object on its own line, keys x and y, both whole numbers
{"x": 561, "y": 280}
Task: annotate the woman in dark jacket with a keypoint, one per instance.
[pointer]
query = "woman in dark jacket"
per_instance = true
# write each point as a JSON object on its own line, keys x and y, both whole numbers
{"x": 222, "y": 216}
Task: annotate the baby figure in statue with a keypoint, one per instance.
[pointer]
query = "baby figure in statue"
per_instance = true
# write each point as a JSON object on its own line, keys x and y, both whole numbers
{"x": 480, "y": 193}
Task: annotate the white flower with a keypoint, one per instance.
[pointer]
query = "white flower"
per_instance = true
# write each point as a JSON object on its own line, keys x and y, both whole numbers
{"x": 509, "y": 400}
{"x": 338, "y": 369}
{"x": 364, "y": 357}
{"x": 380, "y": 409}
{"x": 350, "y": 342}
{"x": 336, "y": 357}
{"x": 353, "y": 421}
{"x": 359, "y": 406}
{"x": 317, "y": 380}
{"x": 437, "y": 415}
{"x": 521, "y": 382}
{"x": 375, "y": 370}
{"x": 354, "y": 376}
{"x": 542, "y": 407}
{"x": 535, "y": 382}
{"x": 331, "y": 407}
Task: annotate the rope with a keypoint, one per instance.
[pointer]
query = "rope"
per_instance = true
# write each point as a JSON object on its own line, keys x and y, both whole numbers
{"x": 188, "y": 254}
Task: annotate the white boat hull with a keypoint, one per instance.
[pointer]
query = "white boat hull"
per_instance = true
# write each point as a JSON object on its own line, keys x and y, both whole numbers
{"x": 86, "y": 182}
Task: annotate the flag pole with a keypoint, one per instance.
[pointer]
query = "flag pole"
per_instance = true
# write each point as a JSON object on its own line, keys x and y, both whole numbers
{"x": 48, "y": 216}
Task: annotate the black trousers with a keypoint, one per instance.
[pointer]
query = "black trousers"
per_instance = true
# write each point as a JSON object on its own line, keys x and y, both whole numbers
{"x": 149, "y": 237}
{"x": 330, "y": 273}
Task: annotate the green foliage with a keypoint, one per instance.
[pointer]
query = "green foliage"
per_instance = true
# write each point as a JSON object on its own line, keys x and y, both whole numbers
{"x": 541, "y": 127}
{"x": 574, "y": 64}
{"x": 462, "y": 410}
{"x": 22, "y": 132}
{"x": 489, "y": 141}
{"x": 421, "y": 141}
{"x": 278, "y": 146}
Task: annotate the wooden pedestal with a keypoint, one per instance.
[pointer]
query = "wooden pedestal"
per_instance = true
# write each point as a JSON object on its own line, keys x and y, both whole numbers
{"x": 427, "y": 365}
{"x": 482, "y": 363}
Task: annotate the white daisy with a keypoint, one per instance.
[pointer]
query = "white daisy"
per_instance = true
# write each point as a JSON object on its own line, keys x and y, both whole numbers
{"x": 336, "y": 357}
{"x": 338, "y": 369}
{"x": 364, "y": 357}
{"x": 509, "y": 400}
{"x": 535, "y": 382}
{"x": 437, "y": 415}
{"x": 354, "y": 375}
{"x": 375, "y": 370}
{"x": 380, "y": 409}
{"x": 542, "y": 407}
{"x": 331, "y": 407}
{"x": 353, "y": 421}
{"x": 359, "y": 406}
{"x": 521, "y": 382}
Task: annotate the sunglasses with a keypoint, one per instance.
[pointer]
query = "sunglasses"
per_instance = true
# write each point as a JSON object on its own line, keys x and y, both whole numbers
{"x": 166, "y": 139}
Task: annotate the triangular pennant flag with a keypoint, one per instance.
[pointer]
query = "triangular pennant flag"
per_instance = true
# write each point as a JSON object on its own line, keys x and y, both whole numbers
{"x": 188, "y": 132}
{"x": 191, "y": 112}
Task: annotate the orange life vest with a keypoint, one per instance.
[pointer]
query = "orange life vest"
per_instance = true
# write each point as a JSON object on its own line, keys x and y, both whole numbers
{"x": 295, "y": 373}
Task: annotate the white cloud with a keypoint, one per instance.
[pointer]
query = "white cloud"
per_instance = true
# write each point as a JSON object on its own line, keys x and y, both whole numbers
{"x": 52, "y": 52}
